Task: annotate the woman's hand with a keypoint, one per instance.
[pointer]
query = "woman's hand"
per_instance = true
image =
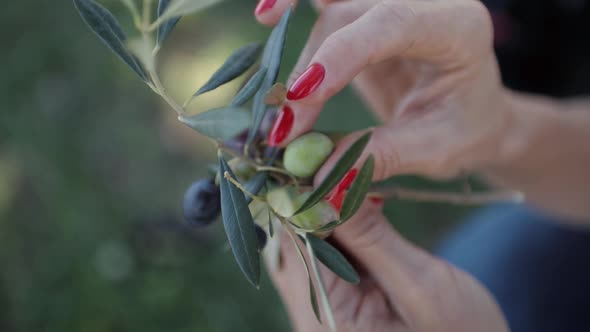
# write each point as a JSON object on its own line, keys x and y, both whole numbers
{"x": 426, "y": 68}
{"x": 402, "y": 287}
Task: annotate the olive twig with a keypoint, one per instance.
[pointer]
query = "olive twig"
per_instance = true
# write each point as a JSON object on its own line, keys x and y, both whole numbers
{"x": 244, "y": 190}
{"x": 448, "y": 197}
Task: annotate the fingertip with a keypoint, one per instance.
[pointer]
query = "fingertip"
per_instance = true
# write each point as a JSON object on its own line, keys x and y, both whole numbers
{"x": 269, "y": 12}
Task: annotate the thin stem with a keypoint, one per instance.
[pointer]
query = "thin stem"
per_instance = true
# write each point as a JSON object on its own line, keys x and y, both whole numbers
{"x": 448, "y": 197}
{"x": 244, "y": 190}
{"x": 130, "y": 4}
{"x": 162, "y": 92}
{"x": 321, "y": 287}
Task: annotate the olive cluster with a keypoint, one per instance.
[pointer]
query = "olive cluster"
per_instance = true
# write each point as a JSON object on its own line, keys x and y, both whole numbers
{"x": 300, "y": 160}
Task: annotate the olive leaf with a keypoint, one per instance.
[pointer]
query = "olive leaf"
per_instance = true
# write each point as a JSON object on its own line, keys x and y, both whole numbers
{"x": 329, "y": 314}
{"x": 165, "y": 28}
{"x": 333, "y": 259}
{"x": 312, "y": 292}
{"x": 237, "y": 64}
{"x": 239, "y": 226}
{"x": 177, "y": 8}
{"x": 358, "y": 190}
{"x": 220, "y": 123}
{"x": 271, "y": 60}
{"x": 337, "y": 173}
{"x": 107, "y": 28}
{"x": 249, "y": 89}
{"x": 328, "y": 227}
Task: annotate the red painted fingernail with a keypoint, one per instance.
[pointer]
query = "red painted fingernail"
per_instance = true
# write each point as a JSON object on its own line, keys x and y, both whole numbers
{"x": 337, "y": 200}
{"x": 377, "y": 200}
{"x": 263, "y": 6}
{"x": 336, "y": 197}
{"x": 281, "y": 127}
{"x": 307, "y": 82}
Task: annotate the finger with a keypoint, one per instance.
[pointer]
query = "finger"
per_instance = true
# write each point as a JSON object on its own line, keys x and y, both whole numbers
{"x": 406, "y": 147}
{"x": 269, "y": 12}
{"x": 298, "y": 118}
{"x": 399, "y": 268}
{"x": 435, "y": 31}
{"x": 431, "y": 30}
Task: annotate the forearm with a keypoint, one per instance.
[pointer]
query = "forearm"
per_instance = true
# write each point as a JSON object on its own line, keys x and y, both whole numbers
{"x": 545, "y": 153}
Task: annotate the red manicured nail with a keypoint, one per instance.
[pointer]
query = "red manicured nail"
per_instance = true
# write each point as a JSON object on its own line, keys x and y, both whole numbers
{"x": 263, "y": 6}
{"x": 336, "y": 197}
{"x": 376, "y": 200}
{"x": 307, "y": 82}
{"x": 337, "y": 200}
{"x": 281, "y": 127}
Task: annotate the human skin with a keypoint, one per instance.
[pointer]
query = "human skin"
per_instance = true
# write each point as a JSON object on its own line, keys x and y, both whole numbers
{"x": 428, "y": 72}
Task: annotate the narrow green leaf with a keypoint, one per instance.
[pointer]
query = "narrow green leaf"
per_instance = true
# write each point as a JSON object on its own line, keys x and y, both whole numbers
{"x": 107, "y": 28}
{"x": 271, "y": 59}
{"x": 333, "y": 259}
{"x": 358, "y": 190}
{"x": 237, "y": 64}
{"x": 337, "y": 173}
{"x": 329, "y": 314}
{"x": 312, "y": 294}
{"x": 328, "y": 227}
{"x": 221, "y": 123}
{"x": 239, "y": 226}
{"x": 249, "y": 89}
{"x": 178, "y": 8}
{"x": 166, "y": 27}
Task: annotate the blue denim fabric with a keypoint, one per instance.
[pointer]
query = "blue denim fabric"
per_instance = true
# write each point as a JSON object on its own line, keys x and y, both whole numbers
{"x": 538, "y": 270}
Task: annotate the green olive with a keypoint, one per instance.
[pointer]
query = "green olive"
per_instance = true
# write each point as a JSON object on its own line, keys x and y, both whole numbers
{"x": 316, "y": 217}
{"x": 285, "y": 201}
{"x": 304, "y": 156}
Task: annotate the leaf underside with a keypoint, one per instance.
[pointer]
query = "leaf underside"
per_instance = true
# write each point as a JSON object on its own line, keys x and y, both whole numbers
{"x": 220, "y": 124}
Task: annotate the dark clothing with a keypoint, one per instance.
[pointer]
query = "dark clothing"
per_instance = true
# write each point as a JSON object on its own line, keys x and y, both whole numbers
{"x": 538, "y": 271}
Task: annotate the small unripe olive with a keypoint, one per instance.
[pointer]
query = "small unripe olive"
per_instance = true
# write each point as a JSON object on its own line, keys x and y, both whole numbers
{"x": 304, "y": 156}
{"x": 285, "y": 201}
{"x": 317, "y": 216}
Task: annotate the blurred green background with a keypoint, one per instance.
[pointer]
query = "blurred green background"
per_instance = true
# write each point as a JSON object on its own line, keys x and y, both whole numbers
{"x": 93, "y": 167}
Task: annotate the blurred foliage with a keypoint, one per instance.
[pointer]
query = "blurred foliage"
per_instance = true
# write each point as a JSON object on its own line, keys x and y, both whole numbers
{"x": 93, "y": 168}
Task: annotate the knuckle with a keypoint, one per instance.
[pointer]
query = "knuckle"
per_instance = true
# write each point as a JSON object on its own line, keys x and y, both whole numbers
{"x": 400, "y": 17}
{"x": 336, "y": 14}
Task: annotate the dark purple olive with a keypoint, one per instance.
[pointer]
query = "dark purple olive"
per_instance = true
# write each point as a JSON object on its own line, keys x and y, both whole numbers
{"x": 262, "y": 238}
{"x": 202, "y": 203}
